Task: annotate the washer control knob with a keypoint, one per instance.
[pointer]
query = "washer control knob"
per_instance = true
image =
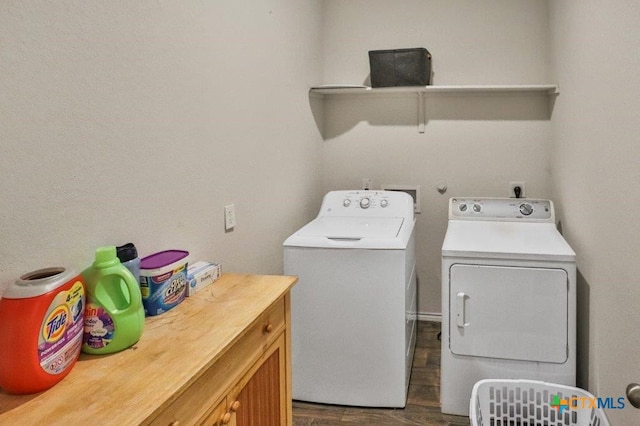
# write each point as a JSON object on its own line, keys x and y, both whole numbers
{"x": 463, "y": 207}
{"x": 346, "y": 202}
{"x": 477, "y": 208}
{"x": 384, "y": 203}
{"x": 365, "y": 203}
{"x": 526, "y": 209}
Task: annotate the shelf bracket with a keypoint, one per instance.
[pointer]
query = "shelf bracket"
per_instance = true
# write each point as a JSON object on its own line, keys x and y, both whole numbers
{"x": 422, "y": 118}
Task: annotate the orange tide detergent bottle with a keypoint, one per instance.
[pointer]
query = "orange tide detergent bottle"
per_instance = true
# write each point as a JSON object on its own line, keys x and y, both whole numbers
{"x": 41, "y": 325}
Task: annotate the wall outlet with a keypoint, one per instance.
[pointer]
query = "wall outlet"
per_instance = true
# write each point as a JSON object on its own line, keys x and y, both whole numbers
{"x": 229, "y": 217}
{"x": 512, "y": 189}
{"x": 367, "y": 184}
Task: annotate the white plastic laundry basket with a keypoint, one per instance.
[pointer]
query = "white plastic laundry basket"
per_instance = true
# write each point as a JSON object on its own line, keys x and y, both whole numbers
{"x": 529, "y": 402}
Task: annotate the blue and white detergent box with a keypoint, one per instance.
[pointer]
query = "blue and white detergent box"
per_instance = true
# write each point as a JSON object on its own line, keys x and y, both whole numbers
{"x": 201, "y": 274}
{"x": 163, "y": 280}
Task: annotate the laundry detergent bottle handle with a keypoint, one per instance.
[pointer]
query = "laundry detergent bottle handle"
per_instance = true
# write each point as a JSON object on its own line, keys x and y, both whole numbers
{"x": 114, "y": 315}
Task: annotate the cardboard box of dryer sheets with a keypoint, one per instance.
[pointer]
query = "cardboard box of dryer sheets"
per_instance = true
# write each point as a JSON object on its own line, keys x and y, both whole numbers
{"x": 201, "y": 274}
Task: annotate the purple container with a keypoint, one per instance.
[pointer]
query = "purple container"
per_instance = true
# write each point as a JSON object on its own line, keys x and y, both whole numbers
{"x": 163, "y": 280}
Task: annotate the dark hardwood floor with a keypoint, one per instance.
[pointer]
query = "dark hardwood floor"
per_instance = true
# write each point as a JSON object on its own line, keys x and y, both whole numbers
{"x": 423, "y": 403}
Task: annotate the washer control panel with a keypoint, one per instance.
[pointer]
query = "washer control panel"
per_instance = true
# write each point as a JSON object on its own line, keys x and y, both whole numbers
{"x": 366, "y": 200}
{"x": 512, "y": 209}
{"x": 367, "y": 203}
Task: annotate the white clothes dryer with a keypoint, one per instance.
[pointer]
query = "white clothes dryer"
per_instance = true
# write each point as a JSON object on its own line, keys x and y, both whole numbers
{"x": 353, "y": 308}
{"x": 508, "y": 297}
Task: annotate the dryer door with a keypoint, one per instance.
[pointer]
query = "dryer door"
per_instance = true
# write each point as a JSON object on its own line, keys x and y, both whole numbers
{"x": 508, "y": 312}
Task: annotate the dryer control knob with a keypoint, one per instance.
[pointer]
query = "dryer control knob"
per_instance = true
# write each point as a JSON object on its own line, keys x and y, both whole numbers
{"x": 526, "y": 209}
{"x": 346, "y": 202}
{"x": 477, "y": 208}
{"x": 463, "y": 207}
{"x": 384, "y": 203}
{"x": 365, "y": 203}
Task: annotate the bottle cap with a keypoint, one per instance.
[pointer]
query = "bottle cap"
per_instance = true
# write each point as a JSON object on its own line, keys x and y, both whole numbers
{"x": 127, "y": 252}
{"x": 106, "y": 256}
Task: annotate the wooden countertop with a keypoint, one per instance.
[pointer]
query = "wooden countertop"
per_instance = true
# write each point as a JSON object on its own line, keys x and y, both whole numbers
{"x": 175, "y": 349}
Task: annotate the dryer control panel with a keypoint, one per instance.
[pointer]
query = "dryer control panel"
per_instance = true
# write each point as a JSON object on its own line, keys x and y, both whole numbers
{"x": 501, "y": 209}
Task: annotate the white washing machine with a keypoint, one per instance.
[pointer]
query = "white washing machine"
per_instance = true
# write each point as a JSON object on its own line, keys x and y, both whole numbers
{"x": 353, "y": 309}
{"x": 508, "y": 297}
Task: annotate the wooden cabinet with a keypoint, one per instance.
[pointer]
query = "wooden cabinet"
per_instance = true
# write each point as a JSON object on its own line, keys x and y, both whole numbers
{"x": 221, "y": 415}
{"x": 251, "y": 373}
{"x": 222, "y": 357}
{"x": 261, "y": 394}
{"x": 259, "y": 398}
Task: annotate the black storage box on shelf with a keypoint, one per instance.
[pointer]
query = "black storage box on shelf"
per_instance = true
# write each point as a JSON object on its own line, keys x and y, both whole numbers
{"x": 400, "y": 67}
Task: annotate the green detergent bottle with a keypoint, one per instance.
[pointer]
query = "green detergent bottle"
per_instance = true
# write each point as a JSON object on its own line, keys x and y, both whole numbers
{"x": 114, "y": 315}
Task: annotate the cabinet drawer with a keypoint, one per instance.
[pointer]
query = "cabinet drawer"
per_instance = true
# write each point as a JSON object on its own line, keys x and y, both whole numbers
{"x": 215, "y": 418}
{"x": 271, "y": 323}
{"x": 207, "y": 391}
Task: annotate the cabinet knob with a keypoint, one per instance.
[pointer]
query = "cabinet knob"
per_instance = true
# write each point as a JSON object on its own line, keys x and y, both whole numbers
{"x": 235, "y": 406}
{"x": 175, "y": 423}
{"x": 226, "y": 418}
{"x": 268, "y": 328}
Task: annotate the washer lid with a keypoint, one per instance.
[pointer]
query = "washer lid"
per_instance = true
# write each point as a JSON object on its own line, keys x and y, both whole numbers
{"x": 352, "y": 228}
{"x": 334, "y": 232}
{"x": 506, "y": 240}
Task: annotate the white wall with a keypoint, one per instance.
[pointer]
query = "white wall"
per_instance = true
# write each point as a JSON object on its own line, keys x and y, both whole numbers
{"x": 138, "y": 121}
{"x": 474, "y": 144}
{"x": 596, "y": 177}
